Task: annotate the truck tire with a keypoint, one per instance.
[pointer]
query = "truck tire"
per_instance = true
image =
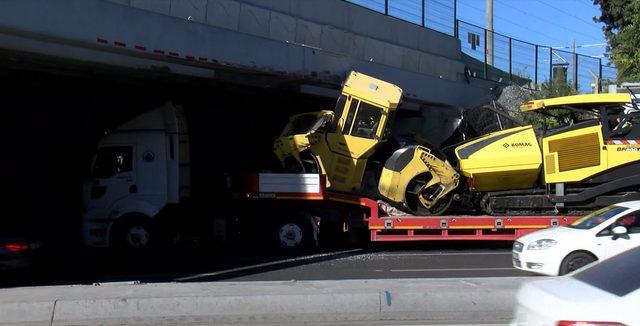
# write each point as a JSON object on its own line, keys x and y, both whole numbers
{"x": 295, "y": 234}
{"x": 133, "y": 234}
{"x": 576, "y": 260}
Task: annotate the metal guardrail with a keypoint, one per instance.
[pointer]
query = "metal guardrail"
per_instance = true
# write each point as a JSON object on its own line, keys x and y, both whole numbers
{"x": 494, "y": 56}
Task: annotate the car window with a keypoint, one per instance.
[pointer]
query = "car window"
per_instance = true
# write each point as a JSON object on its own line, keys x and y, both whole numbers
{"x": 617, "y": 275}
{"x": 596, "y": 218}
{"x": 629, "y": 221}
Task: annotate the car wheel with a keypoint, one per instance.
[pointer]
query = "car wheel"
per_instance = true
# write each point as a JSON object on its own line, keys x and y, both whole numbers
{"x": 576, "y": 260}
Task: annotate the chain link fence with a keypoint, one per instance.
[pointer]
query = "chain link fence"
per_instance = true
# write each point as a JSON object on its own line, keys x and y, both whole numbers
{"x": 498, "y": 57}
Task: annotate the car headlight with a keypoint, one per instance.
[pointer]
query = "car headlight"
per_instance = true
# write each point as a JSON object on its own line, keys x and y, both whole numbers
{"x": 542, "y": 244}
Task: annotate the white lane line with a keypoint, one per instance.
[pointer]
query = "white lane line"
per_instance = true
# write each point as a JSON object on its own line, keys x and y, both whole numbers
{"x": 452, "y": 269}
{"x": 271, "y": 263}
{"x": 448, "y": 254}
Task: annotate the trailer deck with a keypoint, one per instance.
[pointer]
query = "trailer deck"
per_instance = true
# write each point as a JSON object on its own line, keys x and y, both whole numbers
{"x": 311, "y": 187}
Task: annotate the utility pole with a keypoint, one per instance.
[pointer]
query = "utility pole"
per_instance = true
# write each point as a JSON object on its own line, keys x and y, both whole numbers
{"x": 489, "y": 27}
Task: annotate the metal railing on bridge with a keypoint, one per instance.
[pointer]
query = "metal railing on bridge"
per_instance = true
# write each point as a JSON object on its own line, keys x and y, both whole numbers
{"x": 494, "y": 56}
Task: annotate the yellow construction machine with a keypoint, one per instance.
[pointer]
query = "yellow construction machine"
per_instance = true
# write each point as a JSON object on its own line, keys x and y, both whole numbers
{"x": 592, "y": 161}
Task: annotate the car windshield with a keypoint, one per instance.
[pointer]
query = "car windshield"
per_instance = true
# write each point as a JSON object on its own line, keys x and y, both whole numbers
{"x": 307, "y": 123}
{"x": 596, "y": 218}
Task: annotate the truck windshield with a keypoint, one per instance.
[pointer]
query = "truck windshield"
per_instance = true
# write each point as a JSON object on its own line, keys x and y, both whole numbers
{"x": 596, "y": 218}
{"x": 307, "y": 124}
{"x": 112, "y": 160}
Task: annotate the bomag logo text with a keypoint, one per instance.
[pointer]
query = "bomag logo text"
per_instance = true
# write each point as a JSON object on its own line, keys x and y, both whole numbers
{"x": 521, "y": 144}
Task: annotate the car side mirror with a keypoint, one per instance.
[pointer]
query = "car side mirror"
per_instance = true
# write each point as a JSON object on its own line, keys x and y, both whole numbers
{"x": 619, "y": 232}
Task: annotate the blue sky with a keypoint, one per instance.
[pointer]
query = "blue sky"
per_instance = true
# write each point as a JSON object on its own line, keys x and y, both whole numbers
{"x": 545, "y": 22}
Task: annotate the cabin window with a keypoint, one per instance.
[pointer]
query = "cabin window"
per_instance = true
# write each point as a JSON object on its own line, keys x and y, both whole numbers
{"x": 342, "y": 100}
{"x": 367, "y": 121}
{"x": 112, "y": 160}
{"x": 352, "y": 112}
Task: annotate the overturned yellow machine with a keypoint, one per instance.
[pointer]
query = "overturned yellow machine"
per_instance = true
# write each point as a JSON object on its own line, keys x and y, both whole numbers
{"x": 591, "y": 162}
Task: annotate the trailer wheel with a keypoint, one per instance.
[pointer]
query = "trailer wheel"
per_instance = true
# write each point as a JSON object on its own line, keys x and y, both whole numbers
{"x": 133, "y": 234}
{"x": 296, "y": 234}
{"x": 576, "y": 260}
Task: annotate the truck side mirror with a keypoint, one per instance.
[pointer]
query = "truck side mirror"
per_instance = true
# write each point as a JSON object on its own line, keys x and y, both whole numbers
{"x": 619, "y": 232}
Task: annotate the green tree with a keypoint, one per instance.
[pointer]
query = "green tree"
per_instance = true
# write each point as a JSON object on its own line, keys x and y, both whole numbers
{"x": 551, "y": 118}
{"x": 621, "y": 20}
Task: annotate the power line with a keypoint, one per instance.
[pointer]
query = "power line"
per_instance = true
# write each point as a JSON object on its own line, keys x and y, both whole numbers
{"x": 546, "y": 20}
{"x": 590, "y": 23}
{"x": 514, "y": 23}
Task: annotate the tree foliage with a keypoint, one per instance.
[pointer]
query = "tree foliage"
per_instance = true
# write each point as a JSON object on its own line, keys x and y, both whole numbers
{"x": 551, "y": 118}
{"x": 621, "y": 20}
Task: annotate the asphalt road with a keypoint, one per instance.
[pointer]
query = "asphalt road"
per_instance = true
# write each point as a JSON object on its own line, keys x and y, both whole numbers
{"x": 382, "y": 261}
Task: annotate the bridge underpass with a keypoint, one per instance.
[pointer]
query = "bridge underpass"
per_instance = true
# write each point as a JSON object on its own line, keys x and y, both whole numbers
{"x": 73, "y": 69}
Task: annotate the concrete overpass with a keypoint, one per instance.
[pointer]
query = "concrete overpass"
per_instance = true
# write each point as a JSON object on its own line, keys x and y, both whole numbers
{"x": 308, "y": 45}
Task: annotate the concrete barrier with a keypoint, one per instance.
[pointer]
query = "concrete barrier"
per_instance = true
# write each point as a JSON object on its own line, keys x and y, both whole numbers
{"x": 475, "y": 300}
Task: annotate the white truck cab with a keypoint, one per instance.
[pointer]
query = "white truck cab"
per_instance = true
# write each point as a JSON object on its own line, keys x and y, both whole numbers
{"x": 138, "y": 170}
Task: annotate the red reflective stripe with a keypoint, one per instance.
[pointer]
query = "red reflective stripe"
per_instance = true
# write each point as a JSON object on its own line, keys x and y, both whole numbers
{"x": 587, "y": 323}
{"x": 117, "y": 43}
{"x": 141, "y": 48}
{"x": 103, "y": 41}
{"x": 190, "y": 57}
{"x": 202, "y": 59}
{"x": 158, "y": 51}
{"x": 174, "y": 54}
{"x": 16, "y": 247}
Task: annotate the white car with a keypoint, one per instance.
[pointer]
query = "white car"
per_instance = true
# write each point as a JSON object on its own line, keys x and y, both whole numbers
{"x": 605, "y": 293}
{"x": 597, "y": 236}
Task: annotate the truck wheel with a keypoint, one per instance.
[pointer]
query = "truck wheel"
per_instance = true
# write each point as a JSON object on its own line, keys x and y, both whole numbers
{"x": 294, "y": 235}
{"x": 133, "y": 234}
{"x": 576, "y": 260}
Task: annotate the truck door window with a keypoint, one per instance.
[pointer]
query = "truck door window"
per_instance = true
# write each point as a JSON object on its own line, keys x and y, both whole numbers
{"x": 352, "y": 112}
{"x": 112, "y": 160}
{"x": 367, "y": 121}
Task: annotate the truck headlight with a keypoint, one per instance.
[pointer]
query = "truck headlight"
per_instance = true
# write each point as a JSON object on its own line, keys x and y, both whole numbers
{"x": 542, "y": 244}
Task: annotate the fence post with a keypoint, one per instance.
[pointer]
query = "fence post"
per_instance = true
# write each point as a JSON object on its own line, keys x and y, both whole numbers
{"x": 575, "y": 71}
{"x": 456, "y": 28}
{"x": 455, "y": 17}
{"x": 510, "y": 65}
{"x": 485, "y": 54}
{"x": 551, "y": 64}
{"x": 423, "y": 14}
{"x": 535, "y": 70}
{"x": 386, "y": 7}
{"x": 600, "y": 89}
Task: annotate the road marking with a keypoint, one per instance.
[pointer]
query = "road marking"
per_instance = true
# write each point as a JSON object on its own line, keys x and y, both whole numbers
{"x": 453, "y": 269}
{"x": 272, "y": 263}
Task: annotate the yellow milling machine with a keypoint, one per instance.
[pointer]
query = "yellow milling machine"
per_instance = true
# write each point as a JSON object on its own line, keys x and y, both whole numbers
{"x": 592, "y": 162}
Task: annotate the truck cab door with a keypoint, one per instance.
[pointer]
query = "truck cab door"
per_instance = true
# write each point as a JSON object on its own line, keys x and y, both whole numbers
{"x": 112, "y": 176}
